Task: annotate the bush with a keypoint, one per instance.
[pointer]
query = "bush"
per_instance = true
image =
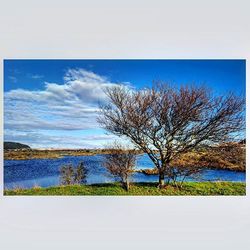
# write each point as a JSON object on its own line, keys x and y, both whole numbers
{"x": 70, "y": 175}
{"x": 80, "y": 174}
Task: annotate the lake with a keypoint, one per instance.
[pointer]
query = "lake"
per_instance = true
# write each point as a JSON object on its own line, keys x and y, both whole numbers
{"x": 45, "y": 172}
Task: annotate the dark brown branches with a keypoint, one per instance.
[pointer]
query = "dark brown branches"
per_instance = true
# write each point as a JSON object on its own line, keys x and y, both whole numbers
{"x": 164, "y": 121}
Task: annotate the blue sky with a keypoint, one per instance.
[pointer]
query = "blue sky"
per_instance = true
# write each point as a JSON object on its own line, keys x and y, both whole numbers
{"x": 54, "y": 103}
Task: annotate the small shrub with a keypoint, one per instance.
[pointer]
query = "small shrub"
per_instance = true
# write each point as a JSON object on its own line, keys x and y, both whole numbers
{"x": 70, "y": 175}
{"x": 36, "y": 187}
{"x": 67, "y": 175}
{"x": 80, "y": 174}
{"x": 120, "y": 163}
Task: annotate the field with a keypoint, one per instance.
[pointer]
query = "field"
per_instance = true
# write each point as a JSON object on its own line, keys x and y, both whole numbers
{"x": 138, "y": 189}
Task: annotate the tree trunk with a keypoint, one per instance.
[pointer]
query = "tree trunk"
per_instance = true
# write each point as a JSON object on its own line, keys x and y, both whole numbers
{"x": 127, "y": 184}
{"x": 161, "y": 179}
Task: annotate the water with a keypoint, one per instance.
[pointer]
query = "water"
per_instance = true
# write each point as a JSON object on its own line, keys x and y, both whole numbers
{"x": 45, "y": 172}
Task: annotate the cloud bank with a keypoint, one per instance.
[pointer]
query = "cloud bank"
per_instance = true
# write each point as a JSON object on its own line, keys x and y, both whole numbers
{"x": 62, "y": 107}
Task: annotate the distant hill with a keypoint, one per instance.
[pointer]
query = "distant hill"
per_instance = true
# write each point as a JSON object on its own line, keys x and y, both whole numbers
{"x": 243, "y": 141}
{"x": 15, "y": 145}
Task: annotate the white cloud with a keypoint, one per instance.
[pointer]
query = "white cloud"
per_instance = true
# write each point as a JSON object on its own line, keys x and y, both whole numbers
{"x": 80, "y": 87}
{"x": 69, "y": 106}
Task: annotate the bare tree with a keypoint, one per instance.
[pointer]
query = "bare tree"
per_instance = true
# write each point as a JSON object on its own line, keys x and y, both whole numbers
{"x": 165, "y": 122}
{"x": 120, "y": 162}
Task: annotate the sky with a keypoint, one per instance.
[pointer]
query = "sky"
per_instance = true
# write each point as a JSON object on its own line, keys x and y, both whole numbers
{"x": 54, "y": 103}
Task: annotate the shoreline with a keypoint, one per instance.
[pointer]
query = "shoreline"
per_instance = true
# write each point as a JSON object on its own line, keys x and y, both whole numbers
{"x": 51, "y": 153}
{"x": 153, "y": 171}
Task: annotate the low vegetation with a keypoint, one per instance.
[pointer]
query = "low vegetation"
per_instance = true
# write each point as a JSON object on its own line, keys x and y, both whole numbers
{"x": 229, "y": 156}
{"x": 27, "y": 154}
{"x": 140, "y": 189}
{"x": 70, "y": 175}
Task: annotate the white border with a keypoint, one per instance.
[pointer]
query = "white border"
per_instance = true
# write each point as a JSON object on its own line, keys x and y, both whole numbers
{"x": 125, "y": 29}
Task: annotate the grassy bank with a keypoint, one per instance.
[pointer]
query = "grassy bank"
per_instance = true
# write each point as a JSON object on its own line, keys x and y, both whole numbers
{"x": 44, "y": 154}
{"x": 27, "y": 154}
{"x": 189, "y": 188}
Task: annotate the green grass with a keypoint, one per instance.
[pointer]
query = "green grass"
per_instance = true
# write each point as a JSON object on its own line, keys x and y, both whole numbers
{"x": 189, "y": 188}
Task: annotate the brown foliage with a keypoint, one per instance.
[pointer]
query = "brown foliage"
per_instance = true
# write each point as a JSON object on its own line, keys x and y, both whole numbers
{"x": 225, "y": 156}
{"x": 230, "y": 156}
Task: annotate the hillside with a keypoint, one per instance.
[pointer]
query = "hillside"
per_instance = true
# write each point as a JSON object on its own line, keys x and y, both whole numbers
{"x": 15, "y": 145}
